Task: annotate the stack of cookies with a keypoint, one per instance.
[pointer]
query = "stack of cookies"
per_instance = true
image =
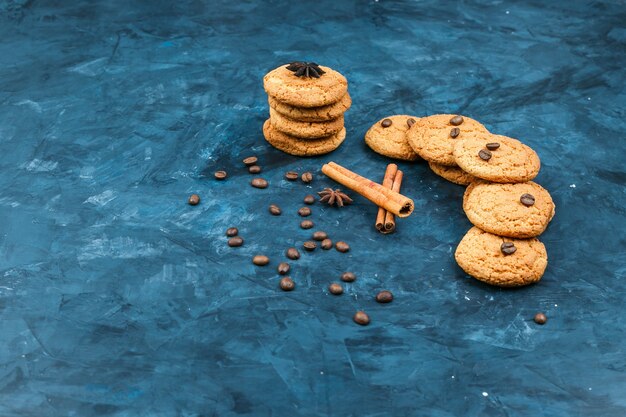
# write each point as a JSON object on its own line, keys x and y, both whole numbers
{"x": 307, "y": 103}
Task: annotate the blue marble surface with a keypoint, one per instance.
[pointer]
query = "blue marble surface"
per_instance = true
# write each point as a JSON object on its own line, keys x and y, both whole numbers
{"x": 119, "y": 299}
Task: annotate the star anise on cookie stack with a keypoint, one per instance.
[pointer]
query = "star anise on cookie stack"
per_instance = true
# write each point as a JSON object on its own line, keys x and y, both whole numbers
{"x": 306, "y": 69}
{"x": 330, "y": 196}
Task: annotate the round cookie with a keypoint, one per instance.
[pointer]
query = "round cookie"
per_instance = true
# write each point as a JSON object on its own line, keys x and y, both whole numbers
{"x": 431, "y": 137}
{"x": 284, "y": 85}
{"x": 496, "y": 208}
{"x": 452, "y": 173}
{"x": 480, "y": 255}
{"x": 301, "y": 147}
{"x": 312, "y": 114}
{"x": 305, "y": 130}
{"x": 391, "y": 140}
{"x": 512, "y": 161}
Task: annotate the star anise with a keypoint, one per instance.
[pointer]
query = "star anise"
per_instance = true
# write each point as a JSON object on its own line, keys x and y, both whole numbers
{"x": 306, "y": 69}
{"x": 330, "y": 196}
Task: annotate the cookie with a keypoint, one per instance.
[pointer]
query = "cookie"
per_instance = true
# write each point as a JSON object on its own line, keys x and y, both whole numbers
{"x": 305, "y": 130}
{"x": 433, "y": 137}
{"x": 388, "y": 137}
{"x": 284, "y": 85}
{"x": 452, "y": 173}
{"x": 312, "y": 114}
{"x": 301, "y": 147}
{"x": 497, "y": 158}
{"x": 482, "y": 255}
{"x": 498, "y": 208}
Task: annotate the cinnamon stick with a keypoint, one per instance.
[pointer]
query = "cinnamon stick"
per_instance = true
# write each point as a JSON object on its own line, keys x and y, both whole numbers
{"x": 390, "y": 221}
{"x": 390, "y": 200}
{"x": 390, "y": 174}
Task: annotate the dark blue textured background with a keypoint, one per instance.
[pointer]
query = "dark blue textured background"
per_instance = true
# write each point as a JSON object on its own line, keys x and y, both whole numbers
{"x": 119, "y": 299}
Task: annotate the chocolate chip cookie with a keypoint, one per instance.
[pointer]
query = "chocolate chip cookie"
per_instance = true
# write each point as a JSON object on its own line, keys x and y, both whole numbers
{"x": 388, "y": 137}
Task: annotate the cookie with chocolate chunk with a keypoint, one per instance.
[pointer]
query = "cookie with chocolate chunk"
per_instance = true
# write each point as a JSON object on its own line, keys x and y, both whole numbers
{"x": 388, "y": 137}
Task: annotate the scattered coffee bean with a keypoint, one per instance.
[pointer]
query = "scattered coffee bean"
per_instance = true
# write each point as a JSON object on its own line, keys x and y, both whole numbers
{"x": 456, "y": 120}
{"x": 220, "y": 175}
{"x": 306, "y": 224}
{"x": 326, "y": 244}
{"x": 342, "y": 246}
{"x": 304, "y": 211}
{"x": 540, "y": 318}
{"x": 386, "y": 123}
{"x": 309, "y": 245}
{"x": 307, "y": 177}
{"x": 492, "y": 146}
{"x": 410, "y": 121}
{"x": 291, "y": 176}
{"x": 348, "y": 277}
{"x": 319, "y": 235}
{"x": 454, "y": 132}
{"x": 508, "y": 248}
{"x": 232, "y": 231}
{"x": 527, "y": 199}
{"x": 361, "y": 318}
{"x": 283, "y": 268}
{"x": 384, "y": 297}
{"x": 260, "y": 260}
{"x": 292, "y": 253}
{"x": 251, "y": 160}
{"x": 254, "y": 169}
{"x": 234, "y": 242}
{"x": 309, "y": 199}
{"x": 287, "y": 284}
{"x": 275, "y": 210}
{"x": 258, "y": 183}
{"x": 484, "y": 154}
{"x": 194, "y": 199}
{"x": 335, "y": 289}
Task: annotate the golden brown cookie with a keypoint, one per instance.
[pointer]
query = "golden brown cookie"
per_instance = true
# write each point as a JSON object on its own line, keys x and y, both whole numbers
{"x": 507, "y": 209}
{"x": 305, "y": 130}
{"x": 483, "y": 256}
{"x": 452, "y": 173}
{"x": 301, "y": 147}
{"x": 434, "y": 137}
{"x": 497, "y": 158}
{"x": 388, "y": 137}
{"x": 284, "y": 85}
{"x": 312, "y": 114}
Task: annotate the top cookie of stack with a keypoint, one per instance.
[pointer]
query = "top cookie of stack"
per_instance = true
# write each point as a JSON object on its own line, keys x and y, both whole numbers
{"x": 307, "y": 102}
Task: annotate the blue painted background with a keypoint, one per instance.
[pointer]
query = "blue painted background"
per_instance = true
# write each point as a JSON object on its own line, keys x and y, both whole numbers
{"x": 119, "y": 299}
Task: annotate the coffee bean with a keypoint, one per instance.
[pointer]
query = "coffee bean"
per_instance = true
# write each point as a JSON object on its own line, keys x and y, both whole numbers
{"x": 508, "y": 248}
{"x": 309, "y": 199}
{"x": 234, "y": 242}
{"x": 304, "y": 211}
{"x": 220, "y": 175}
{"x": 306, "y": 224}
{"x": 454, "y": 132}
{"x": 283, "y": 268}
{"x": 291, "y": 176}
{"x": 348, "y": 277}
{"x": 484, "y": 154}
{"x": 258, "y": 183}
{"x": 540, "y": 318}
{"x": 232, "y": 231}
{"x": 260, "y": 260}
{"x": 492, "y": 146}
{"x": 292, "y": 253}
{"x": 335, "y": 289}
{"x": 194, "y": 199}
{"x": 410, "y": 121}
{"x": 384, "y": 297}
{"x": 287, "y": 284}
{"x": 307, "y": 177}
{"x": 342, "y": 246}
{"x": 386, "y": 123}
{"x": 275, "y": 210}
{"x": 319, "y": 235}
{"x": 456, "y": 120}
{"x": 527, "y": 199}
{"x": 361, "y": 318}
{"x": 254, "y": 169}
{"x": 251, "y": 160}
{"x": 326, "y": 244}
{"x": 309, "y": 245}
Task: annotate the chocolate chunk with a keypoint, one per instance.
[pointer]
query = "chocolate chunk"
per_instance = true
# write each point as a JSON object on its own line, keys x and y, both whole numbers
{"x": 508, "y": 248}
{"x": 454, "y": 132}
{"x": 304, "y": 211}
{"x": 410, "y": 121}
{"x": 220, "y": 175}
{"x": 386, "y": 123}
{"x": 384, "y": 297}
{"x": 275, "y": 210}
{"x": 540, "y": 318}
{"x": 484, "y": 154}
{"x": 251, "y": 160}
{"x": 232, "y": 231}
{"x": 306, "y": 224}
{"x": 291, "y": 176}
{"x": 260, "y": 260}
{"x": 292, "y": 253}
{"x": 527, "y": 199}
{"x": 307, "y": 177}
{"x": 492, "y": 146}
{"x": 254, "y": 169}
{"x": 326, "y": 244}
{"x": 348, "y": 277}
{"x": 335, "y": 289}
{"x": 456, "y": 120}
{"x": 259, "y": 183}
{"x": 361, "y": 318}
{"x": 309, "y": 245}
{"x": 287, "y": 284}
{"x": 283, "y": 268}
{"x": 234, "y": 242}
{"x": 309, "y": 199}
{"x": 342, "y": 246}
{"x": 194, "y": 199}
